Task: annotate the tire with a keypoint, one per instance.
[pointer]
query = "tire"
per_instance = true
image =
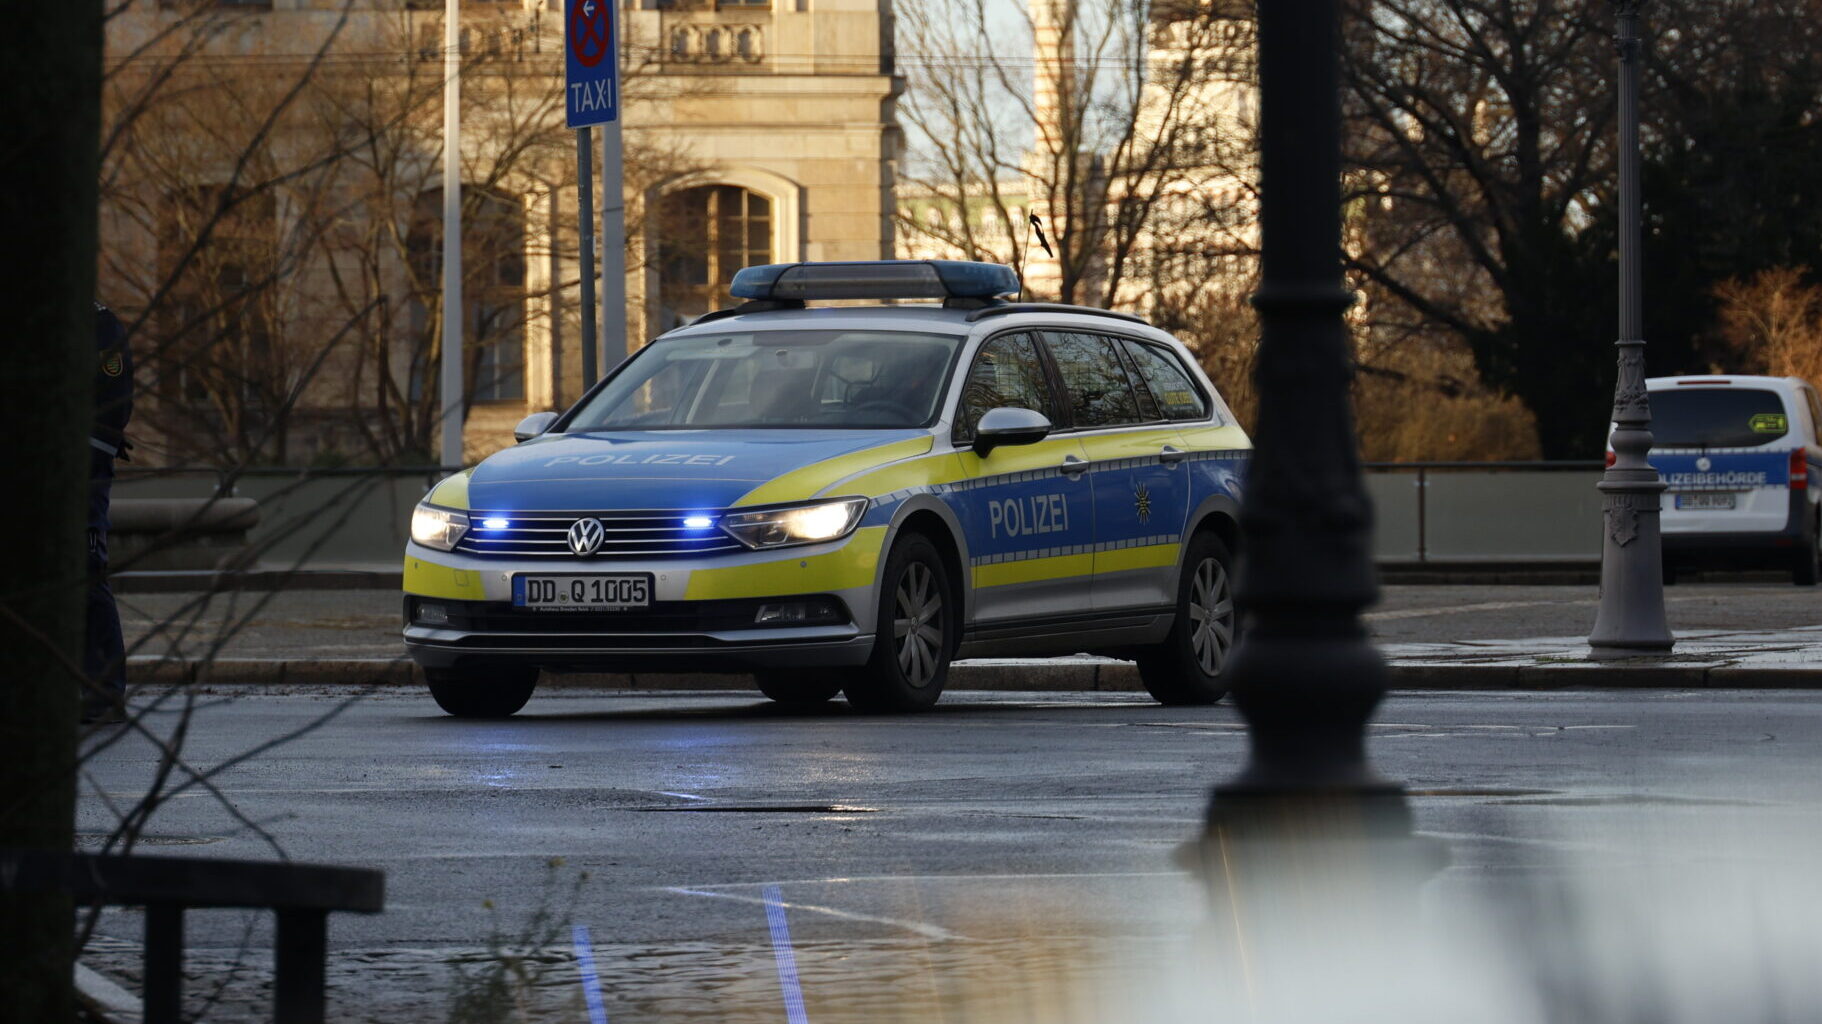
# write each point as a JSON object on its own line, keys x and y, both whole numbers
{"x": 481, "y": 693}
{"x": 1188, "y": 667}
{"x": 915, "y": 636}
{"x": 799, "y": 689}
{"x": 1807, "y": 565}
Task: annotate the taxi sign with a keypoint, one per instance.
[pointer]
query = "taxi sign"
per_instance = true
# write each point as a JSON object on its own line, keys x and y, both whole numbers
{"x": 591, "y": 75}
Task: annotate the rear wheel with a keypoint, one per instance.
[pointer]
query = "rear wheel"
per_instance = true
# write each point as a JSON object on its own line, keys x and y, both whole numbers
{"x": 1188, "y": 667}
{"x": 481, "y": 692}
{"x": 915, "y": 634}
{"x": 799, "y": 689}
{"x": 1807, "y": 566}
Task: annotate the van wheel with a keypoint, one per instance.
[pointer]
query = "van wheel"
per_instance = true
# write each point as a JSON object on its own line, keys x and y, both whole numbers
{"x": 482, "y": 692}
{"x": 798, "y": 689}
{"x": 1189, "y": 666}
{"x": 915, "y": 635}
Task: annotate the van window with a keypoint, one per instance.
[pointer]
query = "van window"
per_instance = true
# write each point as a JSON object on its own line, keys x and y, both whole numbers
{"x": 1717, "y": 417}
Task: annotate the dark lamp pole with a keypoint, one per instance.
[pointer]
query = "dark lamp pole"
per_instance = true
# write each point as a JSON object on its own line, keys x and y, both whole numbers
{"x": 1304, "y": 675}
{"x": 1631, "y": 621}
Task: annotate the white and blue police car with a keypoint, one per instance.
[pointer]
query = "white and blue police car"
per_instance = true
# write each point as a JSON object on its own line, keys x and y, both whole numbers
{"x": 842, "y": 499}
{"x": 1740, "y": 456}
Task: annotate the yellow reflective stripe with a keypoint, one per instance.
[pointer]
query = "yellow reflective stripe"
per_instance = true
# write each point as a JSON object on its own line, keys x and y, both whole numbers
{"x": 1215, "y": 438}
{"x": 1018, "y": 458}
{"x": 810, "y": 480}
{"x": 427, "y": 579}
{"x": 853, "y": 565}
{"x": 929, "y": 471}
{"x": 1032, "y": 570}
{"x": 1129, "y": 445}
{"x": 452, "y": 492}
{"x": 1149, "y": 556}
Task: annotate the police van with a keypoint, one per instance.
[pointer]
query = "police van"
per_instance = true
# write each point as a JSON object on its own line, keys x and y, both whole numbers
{"x": 1740, "y": 456}
{"x": 843, "y": 499}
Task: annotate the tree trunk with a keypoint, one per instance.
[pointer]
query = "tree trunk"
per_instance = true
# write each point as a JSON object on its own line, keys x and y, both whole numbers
{"x": 51, "y": 89}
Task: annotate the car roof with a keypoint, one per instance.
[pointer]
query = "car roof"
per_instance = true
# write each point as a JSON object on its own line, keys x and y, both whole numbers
{"x": 929, "y": 317}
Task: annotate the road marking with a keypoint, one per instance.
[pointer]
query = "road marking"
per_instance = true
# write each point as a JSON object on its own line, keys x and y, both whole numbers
{"x": 1485, "y": 606}
{"x": 591, "y": 982}
{"x": 784, "y": 955}
{"x": 699, "y": 890}
{"x": 928, "y": 931}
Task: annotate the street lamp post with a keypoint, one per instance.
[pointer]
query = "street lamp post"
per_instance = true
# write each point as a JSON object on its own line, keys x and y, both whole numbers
{"x": 1304, "y": 675}
{"x": 1631, "y": 621}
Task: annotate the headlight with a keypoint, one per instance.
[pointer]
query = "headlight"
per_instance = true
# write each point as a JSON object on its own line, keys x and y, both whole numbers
{"x": 804, "y": 524}
{"x": 437, "y": 527}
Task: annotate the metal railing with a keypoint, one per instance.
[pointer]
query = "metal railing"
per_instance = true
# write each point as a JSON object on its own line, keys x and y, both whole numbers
{"x": 1427, "y": 512}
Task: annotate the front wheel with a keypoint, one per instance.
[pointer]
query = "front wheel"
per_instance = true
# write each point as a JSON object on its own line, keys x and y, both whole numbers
{"x": 915, "y": 635}
{"x": 481, "y": 693}
{"x": 1187, "y": 667}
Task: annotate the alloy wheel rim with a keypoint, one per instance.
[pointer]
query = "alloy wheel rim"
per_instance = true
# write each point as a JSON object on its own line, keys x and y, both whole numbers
{"x": 917, "y": 626}
{"x": 1211, "y": 616}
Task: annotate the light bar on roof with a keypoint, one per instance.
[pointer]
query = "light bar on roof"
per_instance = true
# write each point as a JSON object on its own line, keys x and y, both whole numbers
{"x": 875, "y": 279}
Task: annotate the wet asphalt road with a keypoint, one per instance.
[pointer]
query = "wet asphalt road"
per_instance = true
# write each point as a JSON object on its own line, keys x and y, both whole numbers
{"x": 990, "y": 818}
{"x": 365, "y": 623}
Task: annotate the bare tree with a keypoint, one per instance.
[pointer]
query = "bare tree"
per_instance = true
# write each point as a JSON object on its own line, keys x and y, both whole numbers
{"x": 1112, "y": 134}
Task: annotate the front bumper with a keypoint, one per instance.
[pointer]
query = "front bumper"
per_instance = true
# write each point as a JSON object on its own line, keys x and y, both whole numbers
{"x": 701, "y": 619}
{"x": 697, "y": 636}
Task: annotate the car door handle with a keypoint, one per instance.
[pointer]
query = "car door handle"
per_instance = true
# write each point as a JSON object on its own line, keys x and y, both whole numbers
{"x": 1074, "y": 465}
{"x": 1171, "y": 455}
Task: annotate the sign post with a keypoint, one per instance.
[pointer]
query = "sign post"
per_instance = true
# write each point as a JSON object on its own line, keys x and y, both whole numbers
{"x": 591, "y": 86}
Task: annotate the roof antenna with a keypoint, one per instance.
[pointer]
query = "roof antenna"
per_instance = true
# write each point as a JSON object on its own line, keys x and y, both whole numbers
{"x": 1033, "y": 224}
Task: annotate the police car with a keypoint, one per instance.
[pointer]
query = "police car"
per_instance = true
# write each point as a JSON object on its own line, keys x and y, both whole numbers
{"x": 1740, "y": 456}
{"x": 845, "y": 498}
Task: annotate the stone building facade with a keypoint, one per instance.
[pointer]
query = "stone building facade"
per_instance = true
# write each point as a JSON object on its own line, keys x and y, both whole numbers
{"x": 756, "y": 131}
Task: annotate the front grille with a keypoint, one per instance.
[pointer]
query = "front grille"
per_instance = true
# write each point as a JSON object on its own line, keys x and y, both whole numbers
{"x": 627, "y": 535}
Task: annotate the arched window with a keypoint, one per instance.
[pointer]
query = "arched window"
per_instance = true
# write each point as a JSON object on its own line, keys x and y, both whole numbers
{"x": 493, "y": 290}
{"x": 705, "y": 235}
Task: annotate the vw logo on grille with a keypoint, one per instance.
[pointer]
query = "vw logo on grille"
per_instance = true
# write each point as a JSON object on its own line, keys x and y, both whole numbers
{"x": 585, "y": 536}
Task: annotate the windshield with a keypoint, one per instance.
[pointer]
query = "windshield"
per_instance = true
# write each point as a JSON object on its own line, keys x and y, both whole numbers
{"x": 777, "y": 378}
{"x": 1716, "y": 418}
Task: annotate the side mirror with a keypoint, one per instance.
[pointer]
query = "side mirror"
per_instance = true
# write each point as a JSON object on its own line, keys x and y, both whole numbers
{"x": 533, "y": 425}
{"x": 1009, "y": 426}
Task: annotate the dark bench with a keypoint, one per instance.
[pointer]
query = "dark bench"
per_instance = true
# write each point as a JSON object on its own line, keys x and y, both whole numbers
{"x": 302, "y": 896}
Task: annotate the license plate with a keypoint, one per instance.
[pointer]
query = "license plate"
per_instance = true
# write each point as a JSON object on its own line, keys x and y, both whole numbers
{"x": 1709, "y": 501}
{"x": 582, "y": 593}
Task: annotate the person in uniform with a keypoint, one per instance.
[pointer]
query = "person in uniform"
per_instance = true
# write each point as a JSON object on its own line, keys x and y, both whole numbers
{"x": 104, "y": 650}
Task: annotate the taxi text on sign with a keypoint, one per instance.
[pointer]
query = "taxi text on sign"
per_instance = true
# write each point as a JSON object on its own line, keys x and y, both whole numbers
{"x": 591, "y": 78}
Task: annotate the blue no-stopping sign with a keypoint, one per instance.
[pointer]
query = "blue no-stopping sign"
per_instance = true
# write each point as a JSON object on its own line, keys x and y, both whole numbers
{"x": 591, "y": 79}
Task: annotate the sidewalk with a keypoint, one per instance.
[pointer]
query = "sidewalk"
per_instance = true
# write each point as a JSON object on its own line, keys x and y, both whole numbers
{"x": 1434, "y": 638}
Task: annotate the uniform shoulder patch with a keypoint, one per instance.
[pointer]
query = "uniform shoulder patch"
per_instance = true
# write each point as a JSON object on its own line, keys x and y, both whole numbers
{"x": 111, "y": 362}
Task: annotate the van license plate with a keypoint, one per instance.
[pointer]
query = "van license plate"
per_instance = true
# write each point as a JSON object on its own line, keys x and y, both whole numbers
{"x": 582, "y": 593}
{"x": 1708, "y": 501}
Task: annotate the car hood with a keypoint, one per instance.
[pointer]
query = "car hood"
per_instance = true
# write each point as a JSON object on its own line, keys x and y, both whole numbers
{"x": 673, "y": 469}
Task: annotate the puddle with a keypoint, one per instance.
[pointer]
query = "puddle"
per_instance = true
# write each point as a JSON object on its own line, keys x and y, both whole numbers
{"x": 759, "y": 809}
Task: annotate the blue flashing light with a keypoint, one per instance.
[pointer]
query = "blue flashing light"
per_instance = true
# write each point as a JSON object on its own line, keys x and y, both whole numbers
{"x": 698, "y": 522}
{"x": 495, "y": 524}
{"x": 875, "y": 279}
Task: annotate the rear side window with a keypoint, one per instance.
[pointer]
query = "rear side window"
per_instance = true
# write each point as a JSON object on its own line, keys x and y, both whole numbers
{"x": 1099, "y": 393}
{"x": 1177, "y": 396}
{"x": 1717, "y": 417}
{"x": 1007, "y": 372}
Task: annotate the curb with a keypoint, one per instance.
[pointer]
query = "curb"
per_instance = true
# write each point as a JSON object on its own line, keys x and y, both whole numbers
{"x": 1057, "y": 677}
